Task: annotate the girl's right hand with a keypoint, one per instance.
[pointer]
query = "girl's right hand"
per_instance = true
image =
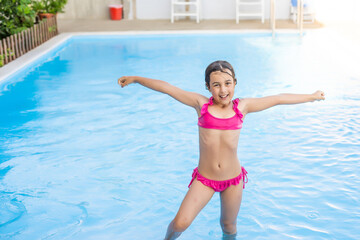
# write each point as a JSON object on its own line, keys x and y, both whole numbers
{"x": 319, "y": 95}
{"x": 126, "y": 80}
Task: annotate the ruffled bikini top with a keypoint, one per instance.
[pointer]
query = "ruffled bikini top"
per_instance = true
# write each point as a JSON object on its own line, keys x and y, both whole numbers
{"x": 206, "y": 120}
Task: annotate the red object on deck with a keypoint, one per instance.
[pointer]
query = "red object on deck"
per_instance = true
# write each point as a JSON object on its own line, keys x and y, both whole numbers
{"x": 116, "y": 12}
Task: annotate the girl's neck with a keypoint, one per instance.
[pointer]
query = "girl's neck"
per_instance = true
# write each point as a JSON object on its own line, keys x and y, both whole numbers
{"x": 222, "y": 105}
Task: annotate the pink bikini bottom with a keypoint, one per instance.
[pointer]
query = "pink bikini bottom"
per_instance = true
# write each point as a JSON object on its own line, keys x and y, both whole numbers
{"x": 220, "y": 186}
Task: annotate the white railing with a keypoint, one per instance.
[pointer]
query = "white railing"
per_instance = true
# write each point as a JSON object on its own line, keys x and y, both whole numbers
{"x": 300, "y": 17}
{"x": 272, "y": 17}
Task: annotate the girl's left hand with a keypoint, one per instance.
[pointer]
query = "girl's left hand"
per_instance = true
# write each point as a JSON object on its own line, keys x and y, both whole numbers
{"x": 319, "y": 95}
{"x": 126, "y": 80}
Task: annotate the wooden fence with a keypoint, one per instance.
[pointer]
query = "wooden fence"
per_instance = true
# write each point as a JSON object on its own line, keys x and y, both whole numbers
{"x": 18, "y": 44}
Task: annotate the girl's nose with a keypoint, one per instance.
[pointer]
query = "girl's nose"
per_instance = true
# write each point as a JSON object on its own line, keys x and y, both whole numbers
{"x": 222, "y": 88}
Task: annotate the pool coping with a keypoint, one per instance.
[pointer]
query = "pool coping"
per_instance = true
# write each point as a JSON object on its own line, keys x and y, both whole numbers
{"x": 36, "y": 53}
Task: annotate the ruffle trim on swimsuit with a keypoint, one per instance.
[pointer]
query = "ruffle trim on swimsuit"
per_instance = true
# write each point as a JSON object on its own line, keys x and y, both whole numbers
{"x": 220, "y": 186}
{"x": 237, "y": 111}
{"x": 204, "y": 108}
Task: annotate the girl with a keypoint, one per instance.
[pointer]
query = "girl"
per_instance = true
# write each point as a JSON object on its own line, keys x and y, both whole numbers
{"x": 220, "y": 121}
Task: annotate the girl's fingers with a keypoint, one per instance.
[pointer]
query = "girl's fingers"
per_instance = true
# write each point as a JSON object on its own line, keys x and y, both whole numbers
{"x": 321, "y": 95}
{"x": 121, "y": 81}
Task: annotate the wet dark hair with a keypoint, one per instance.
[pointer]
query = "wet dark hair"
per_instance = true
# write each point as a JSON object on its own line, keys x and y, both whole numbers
{"x": 220, "y": 66}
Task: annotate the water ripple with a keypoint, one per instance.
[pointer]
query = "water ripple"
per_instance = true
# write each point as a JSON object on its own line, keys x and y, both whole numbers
{"x": 85, "y": 159}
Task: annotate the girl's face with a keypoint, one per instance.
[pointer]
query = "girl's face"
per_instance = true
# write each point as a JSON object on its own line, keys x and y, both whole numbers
{"x": 222, "y": 86}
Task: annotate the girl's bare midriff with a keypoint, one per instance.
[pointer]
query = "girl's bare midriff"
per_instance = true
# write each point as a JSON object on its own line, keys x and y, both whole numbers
{"x": 218, "y": 154}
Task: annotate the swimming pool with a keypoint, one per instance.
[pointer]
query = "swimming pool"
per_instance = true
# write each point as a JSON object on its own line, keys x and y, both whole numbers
{"x": 81, "y": 158}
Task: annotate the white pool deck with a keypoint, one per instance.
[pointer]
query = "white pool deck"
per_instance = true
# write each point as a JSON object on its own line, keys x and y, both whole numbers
{"x": 68, "y": 28}
{"x": 166, "y": 25}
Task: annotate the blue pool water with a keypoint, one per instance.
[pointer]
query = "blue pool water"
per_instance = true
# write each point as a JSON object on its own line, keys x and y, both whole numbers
{"x": 81, "y": 158}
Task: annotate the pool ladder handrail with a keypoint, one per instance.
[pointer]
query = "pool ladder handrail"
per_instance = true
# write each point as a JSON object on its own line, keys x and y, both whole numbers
{"x": 300, "y": 17}
{"x": 272, "y": 17}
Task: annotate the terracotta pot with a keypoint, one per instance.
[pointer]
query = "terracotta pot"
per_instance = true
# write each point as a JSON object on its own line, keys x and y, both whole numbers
{"x": 45, "y": 15}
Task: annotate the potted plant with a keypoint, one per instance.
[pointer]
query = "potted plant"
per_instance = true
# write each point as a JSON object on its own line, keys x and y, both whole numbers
{"x": 48, "y": 8}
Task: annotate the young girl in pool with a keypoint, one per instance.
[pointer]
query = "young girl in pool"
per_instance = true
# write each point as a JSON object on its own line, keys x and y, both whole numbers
{"x": 220, "y": 121}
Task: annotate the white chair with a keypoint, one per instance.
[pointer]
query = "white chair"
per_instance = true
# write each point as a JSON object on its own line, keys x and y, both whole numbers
{"x": 308, "y": 12}
{"x": 242, "y": 7}
{"x": 181, "y": 4}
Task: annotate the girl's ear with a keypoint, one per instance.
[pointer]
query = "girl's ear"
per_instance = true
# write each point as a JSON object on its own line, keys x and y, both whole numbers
{"x": 207, "y": 87}
{"x": 235, "y": 81}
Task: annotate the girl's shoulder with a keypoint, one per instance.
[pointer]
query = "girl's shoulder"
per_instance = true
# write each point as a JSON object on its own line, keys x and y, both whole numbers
{"x": 241, "y": 100}
{"x": 202, "y": 100}
{"x": 242, "y": 105}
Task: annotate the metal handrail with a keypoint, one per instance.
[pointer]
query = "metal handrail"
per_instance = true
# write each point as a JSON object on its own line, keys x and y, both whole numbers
{"x": 300, "y": 17}
{"x": 272, "y": 17}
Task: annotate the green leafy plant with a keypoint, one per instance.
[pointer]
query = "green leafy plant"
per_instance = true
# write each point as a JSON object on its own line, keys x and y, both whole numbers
{"x": 2, "y": 56}
{"x": 49, "y": 6}
{"x": 52, "y": 29}
{"x": 10, "y": 53}
{"x": 15, "y": 16}
{"x": 38, "y": 6}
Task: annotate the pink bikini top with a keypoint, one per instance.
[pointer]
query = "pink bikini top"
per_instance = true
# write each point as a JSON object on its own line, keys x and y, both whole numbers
{"x": 206, "y": 120}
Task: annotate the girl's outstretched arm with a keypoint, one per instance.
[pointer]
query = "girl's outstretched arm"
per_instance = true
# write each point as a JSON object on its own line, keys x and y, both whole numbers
{"x": 259, "y": 104}
{"x": 185, "y": 97}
